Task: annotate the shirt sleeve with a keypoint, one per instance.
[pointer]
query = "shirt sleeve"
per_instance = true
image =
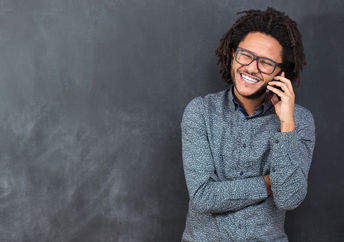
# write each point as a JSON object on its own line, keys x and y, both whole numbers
{"x": 208, "y": 194}
{"x": 290, "y": 160}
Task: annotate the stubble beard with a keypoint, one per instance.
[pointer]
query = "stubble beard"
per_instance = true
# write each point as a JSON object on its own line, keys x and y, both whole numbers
{"x": 261, "y": 91}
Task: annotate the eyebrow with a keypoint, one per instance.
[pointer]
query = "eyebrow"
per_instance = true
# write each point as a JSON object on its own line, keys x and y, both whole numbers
{"x": 260, "y": 56}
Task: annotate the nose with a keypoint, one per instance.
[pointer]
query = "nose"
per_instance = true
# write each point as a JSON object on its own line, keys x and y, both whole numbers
{"x": 253, "y": 67}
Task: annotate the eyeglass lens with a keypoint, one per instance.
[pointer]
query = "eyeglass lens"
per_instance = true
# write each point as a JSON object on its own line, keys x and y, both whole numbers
{"x": 264, "y": 65}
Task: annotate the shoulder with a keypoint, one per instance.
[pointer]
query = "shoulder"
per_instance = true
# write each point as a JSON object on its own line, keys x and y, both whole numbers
{"x": 201, "y": 105}
{"x": 216, "y": 99}
{"x": 211, "y": 100}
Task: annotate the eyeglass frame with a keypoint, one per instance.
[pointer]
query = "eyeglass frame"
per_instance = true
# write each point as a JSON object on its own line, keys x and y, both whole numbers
{"x": 257, "y": 58}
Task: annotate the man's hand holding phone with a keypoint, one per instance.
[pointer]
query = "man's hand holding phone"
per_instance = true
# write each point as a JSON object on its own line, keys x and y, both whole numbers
{"x": 284, "y": 108}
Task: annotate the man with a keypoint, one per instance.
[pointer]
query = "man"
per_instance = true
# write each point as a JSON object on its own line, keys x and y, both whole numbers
{"x": 247, "y": 149}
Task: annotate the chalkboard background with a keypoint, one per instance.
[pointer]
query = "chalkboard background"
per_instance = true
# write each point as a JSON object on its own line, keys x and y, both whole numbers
{"x": 91, "y": 98}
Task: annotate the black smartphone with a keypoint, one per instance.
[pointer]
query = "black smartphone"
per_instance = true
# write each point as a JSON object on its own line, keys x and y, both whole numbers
{"x": 271, "y": 93}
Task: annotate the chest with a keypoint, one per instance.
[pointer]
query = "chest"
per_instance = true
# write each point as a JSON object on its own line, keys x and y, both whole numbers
{"x": 240, "y": 146}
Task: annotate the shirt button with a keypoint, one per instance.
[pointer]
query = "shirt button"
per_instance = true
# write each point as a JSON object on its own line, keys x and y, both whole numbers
{"x": 244, "y": 145}
{"x": 239, "y": 226}
{"x": 276, "y": 141}
{"x": 241, "y": 173}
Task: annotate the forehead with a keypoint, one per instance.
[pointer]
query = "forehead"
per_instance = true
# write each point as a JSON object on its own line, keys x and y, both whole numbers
{"x": 262, "y": 45}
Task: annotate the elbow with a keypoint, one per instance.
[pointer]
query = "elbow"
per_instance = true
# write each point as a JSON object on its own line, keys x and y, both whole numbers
{"x": 199, "y": 207}
{"x": 290, "y": 200}
{"x": 201, "y": 203}
{"x": 204, "y": 200}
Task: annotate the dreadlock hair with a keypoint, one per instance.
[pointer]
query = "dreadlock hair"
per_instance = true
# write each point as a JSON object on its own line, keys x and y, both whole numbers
{"x": 270, "y": 22}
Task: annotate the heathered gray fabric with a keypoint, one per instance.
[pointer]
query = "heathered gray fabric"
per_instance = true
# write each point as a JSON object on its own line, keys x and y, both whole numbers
{"x": 225, "y": 156}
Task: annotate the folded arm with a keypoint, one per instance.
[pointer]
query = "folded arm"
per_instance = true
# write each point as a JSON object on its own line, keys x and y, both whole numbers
{"x": 291, "y": 156}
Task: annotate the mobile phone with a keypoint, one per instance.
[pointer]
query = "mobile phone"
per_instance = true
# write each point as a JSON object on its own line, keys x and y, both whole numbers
{"x": 271, "y": 93}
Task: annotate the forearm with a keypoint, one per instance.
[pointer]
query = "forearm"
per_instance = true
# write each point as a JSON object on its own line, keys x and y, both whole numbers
{"x": 288, "y": 126}
{"x": 289, "y": 187}
{"x": 225, "y": 196}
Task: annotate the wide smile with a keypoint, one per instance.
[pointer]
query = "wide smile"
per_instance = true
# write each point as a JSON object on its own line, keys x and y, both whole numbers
{"x": 248, "y": 79}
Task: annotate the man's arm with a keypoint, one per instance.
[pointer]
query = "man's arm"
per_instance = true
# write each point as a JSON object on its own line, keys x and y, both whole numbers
{"x": 208, "y": 194}
{"x": 291, "y": 156}
{"x": 291, "y": 149}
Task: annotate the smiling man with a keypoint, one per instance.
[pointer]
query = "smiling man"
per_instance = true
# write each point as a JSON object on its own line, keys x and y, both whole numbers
{"x": 247, "y": 150}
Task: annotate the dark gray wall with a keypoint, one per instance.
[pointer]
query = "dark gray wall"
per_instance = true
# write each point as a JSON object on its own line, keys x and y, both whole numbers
{"x": 91, "y": 98}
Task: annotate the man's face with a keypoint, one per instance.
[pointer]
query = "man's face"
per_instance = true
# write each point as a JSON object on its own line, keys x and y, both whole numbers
{"x": 261, "y": 45}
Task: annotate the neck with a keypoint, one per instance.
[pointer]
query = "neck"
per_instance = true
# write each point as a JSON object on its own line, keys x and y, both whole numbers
{"x": 249, "y": 104}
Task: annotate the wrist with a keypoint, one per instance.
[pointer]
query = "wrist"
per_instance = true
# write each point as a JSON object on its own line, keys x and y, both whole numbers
{"x": 287, "y": 126}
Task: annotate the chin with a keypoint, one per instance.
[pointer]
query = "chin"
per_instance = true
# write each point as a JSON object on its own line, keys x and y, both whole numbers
{"x": 250, "y": 92}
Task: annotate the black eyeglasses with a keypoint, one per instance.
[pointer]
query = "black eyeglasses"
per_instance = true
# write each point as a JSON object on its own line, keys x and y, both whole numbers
{"x": 264, "y": 64}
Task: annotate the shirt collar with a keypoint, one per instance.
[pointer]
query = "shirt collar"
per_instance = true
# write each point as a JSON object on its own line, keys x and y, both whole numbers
{"x": 234, "y": 104}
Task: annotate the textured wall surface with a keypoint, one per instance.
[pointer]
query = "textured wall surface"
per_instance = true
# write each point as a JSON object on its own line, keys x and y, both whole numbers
{"x": 91, "y": 98}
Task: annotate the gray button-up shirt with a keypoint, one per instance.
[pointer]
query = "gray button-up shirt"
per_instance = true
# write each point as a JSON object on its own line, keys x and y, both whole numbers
{"x": 225, "y": 156}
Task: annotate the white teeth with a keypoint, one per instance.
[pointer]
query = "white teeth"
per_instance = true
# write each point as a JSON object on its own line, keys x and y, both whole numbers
{"x": 248, "y": 79}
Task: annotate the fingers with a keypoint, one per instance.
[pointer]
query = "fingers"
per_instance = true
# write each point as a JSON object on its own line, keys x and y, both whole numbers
{"x": 277, "y": 91}
{"x": 284, "y": 83}
{"x": 283, "y": 79}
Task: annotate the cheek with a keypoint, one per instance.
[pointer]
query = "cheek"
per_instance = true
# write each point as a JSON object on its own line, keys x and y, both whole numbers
{"x": 268, "y": 78}
{"x": 236, "y": 66}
